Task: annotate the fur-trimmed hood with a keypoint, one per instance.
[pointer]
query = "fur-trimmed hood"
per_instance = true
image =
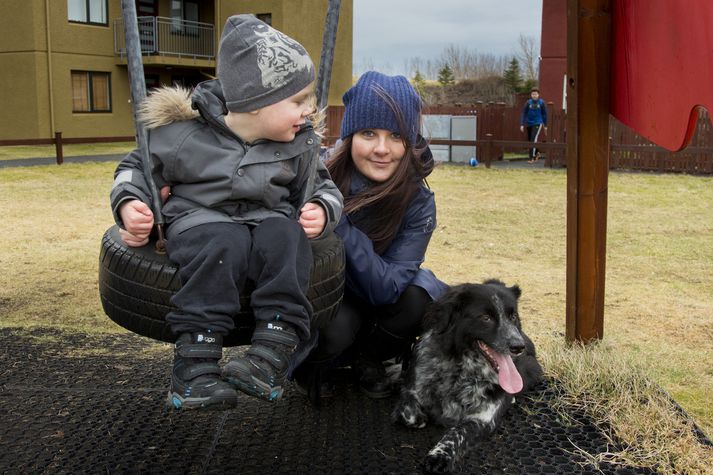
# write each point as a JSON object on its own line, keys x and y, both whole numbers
{"x": 169, "y": 104}
{"x": 166, "y": 105}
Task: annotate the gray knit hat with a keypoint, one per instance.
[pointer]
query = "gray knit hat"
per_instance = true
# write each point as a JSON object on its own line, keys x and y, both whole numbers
{"x": 258, "y": 65}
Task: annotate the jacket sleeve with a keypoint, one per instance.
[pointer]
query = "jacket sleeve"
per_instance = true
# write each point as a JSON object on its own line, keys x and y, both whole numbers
{"x": 130, "y": 183}
{"x": 524, "y": 113}
{"x": 380, "y": 280}
{"x": 327, "y": 194}
{"x": 544, "y": 113}
{"x": 325, "y": 191}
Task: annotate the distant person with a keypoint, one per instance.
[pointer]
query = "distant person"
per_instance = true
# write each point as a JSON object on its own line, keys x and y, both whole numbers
{"x": 534, "y": 117}
{"x": 235, "y": 155}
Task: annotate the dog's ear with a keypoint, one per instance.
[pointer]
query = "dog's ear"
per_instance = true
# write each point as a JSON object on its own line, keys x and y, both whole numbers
{"x": 494, "y": 282}
{"x": 515, "y": 289}
{"x": 439, "y": 314}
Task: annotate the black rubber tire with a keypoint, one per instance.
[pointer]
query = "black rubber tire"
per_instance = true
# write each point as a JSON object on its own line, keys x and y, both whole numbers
{"x": 136, "y": 285}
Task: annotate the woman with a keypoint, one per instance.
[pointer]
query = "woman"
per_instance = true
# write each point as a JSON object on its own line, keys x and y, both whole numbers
{"x": 389, "y": 216}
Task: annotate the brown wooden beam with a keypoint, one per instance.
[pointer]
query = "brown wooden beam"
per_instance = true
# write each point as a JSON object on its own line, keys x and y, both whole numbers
{"x": 588, "y": 67}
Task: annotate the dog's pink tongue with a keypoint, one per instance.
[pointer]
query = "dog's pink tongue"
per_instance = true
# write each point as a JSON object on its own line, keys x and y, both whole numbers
{"x": 508, "y": 376}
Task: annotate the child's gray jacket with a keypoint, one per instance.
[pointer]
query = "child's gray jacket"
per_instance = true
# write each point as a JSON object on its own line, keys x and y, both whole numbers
{"x": 214, "y": 176}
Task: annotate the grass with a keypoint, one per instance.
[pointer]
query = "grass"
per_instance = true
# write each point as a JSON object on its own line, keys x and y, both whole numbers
{"x": 503, "y": 223}
{"x": 68, "y": 150}
{"x": 515, "y": 156}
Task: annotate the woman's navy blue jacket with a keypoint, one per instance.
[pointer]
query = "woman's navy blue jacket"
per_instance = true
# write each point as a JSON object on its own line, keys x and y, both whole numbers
{"x": 381, "y": 279}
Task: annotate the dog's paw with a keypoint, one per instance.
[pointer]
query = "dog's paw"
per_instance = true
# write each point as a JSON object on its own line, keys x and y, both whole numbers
{"x": 410, "y": 415}
{"x": 438, "y": 461}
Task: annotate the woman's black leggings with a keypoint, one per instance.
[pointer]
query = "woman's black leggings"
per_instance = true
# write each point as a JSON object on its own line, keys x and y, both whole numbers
{"x": 378, "y": 333}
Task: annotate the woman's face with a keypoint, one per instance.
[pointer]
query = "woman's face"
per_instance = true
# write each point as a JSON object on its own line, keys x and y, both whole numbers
{"x": 377, "y": 153}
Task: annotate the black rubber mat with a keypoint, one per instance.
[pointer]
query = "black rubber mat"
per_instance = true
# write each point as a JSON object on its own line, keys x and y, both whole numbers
{"x": 71, "y": 403}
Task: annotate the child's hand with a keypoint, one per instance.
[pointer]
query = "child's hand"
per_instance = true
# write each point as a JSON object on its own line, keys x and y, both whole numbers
{"x": 313, "y": 219}
{"x": 138, "y": 222}
{"x": 131, "y": 240}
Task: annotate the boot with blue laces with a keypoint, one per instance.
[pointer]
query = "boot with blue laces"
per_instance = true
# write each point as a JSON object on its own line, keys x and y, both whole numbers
{"x": 262, "y": 371}
{"x": 195, "y": 380}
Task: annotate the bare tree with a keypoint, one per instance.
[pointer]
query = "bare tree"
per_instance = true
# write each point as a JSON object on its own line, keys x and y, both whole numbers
{"x": 466, "y": 64}
{"x": 527, "y": 55}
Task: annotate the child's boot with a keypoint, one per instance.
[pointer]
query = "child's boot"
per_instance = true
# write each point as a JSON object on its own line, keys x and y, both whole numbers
{"x": 262, "y": 371}
{"x": 195, "y": 380}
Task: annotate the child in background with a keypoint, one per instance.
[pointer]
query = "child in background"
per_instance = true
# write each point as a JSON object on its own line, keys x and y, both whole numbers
{"x": 534, "y": 118}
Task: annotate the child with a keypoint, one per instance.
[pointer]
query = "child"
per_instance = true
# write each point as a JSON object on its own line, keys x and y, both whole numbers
{"x": 237, "y": 169}
{"x": 534, "y": 117}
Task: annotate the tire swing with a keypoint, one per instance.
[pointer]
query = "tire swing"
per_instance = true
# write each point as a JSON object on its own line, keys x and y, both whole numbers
{"x": 137, "y": 283}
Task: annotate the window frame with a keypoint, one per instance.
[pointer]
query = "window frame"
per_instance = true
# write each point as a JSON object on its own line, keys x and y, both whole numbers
{"x": 87, "y": 4}
{"x": 90, "y": 92}
{"x": 177, "y": 25}
{"x": 264, "y": 17}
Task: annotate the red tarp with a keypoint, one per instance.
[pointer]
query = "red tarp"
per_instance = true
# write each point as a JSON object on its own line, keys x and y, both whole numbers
{"x": 662, "y": 67}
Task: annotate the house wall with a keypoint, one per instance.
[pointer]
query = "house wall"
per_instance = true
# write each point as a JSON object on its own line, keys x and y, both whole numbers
{"x": 553, "y": 51}
{"x": 37, "y": 97}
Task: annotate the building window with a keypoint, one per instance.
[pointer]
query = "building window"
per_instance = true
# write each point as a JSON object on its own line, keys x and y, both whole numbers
{"x": 181, "y": 12}
{"x": 152, "y": 81}
{"x": 93, "y": 12}
{"x": 265, "y": 17}
{"x": 91, "y": 91}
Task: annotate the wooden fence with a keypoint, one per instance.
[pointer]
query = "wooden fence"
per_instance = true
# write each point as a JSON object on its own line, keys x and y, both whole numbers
{"x": 498, "y": 132}
{"x": 58, "y": 141}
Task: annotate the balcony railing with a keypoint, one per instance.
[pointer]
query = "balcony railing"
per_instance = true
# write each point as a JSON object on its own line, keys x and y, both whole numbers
{"x": 169, "y": 37}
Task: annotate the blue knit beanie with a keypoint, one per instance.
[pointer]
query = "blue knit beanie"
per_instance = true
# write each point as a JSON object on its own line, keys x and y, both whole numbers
{"x": 367, "y": 105}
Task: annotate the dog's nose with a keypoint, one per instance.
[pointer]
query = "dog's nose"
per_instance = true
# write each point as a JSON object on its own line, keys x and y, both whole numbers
{"x": 516, "y": 350}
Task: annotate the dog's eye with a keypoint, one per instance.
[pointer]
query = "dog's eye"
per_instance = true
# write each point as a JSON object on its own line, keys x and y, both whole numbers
{"x": 485, "y": 317}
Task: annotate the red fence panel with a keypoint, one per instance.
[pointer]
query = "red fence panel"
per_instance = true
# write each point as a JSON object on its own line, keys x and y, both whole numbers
{"x": 500, "y": 122}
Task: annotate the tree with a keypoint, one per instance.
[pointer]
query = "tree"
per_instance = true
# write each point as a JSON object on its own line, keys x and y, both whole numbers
{"x": 513, "y": 77}
{"x": 445, "y": 75}
{"x": 528, "y": 56}
{"x": 419, "y": 83}
{"x": 528, "y": 85}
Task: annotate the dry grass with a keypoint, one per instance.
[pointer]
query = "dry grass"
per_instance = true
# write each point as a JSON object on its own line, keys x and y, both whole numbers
{"x": 615, "y": 390}
{"x": 508, "y": 224}
{"x": 68, "y": 150}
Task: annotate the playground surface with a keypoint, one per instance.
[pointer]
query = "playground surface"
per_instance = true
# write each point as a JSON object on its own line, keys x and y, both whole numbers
{"x": 75, "y": 403}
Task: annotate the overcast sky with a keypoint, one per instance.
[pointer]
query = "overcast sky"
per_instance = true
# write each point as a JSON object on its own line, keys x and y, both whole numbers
{"x": 389, "y": 32}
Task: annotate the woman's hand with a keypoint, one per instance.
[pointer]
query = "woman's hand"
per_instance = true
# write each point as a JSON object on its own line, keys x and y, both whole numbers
{"x": 313, "y": 219}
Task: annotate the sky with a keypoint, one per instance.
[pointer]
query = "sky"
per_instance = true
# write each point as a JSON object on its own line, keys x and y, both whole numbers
{"x": 389, "y": 32}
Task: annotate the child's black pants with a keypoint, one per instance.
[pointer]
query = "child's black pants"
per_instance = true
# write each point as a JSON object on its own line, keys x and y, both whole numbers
{"x": 216, "y": 259}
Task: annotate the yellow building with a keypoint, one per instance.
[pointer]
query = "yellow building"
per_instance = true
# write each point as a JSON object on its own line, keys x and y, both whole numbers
{"x": 63, "y": 62}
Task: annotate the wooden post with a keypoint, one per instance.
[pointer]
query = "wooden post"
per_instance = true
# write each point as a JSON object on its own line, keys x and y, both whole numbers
{"x": 489, "y": 150}
{"x": 588, "y": 68}
{"x": 58, "y": 147}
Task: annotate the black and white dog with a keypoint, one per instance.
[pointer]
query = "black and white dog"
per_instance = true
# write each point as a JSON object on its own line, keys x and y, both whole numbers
{"x": 472, "y": 358}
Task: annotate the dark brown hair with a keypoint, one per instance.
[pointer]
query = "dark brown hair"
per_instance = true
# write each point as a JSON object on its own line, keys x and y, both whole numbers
{"x": 380, "y": 206}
